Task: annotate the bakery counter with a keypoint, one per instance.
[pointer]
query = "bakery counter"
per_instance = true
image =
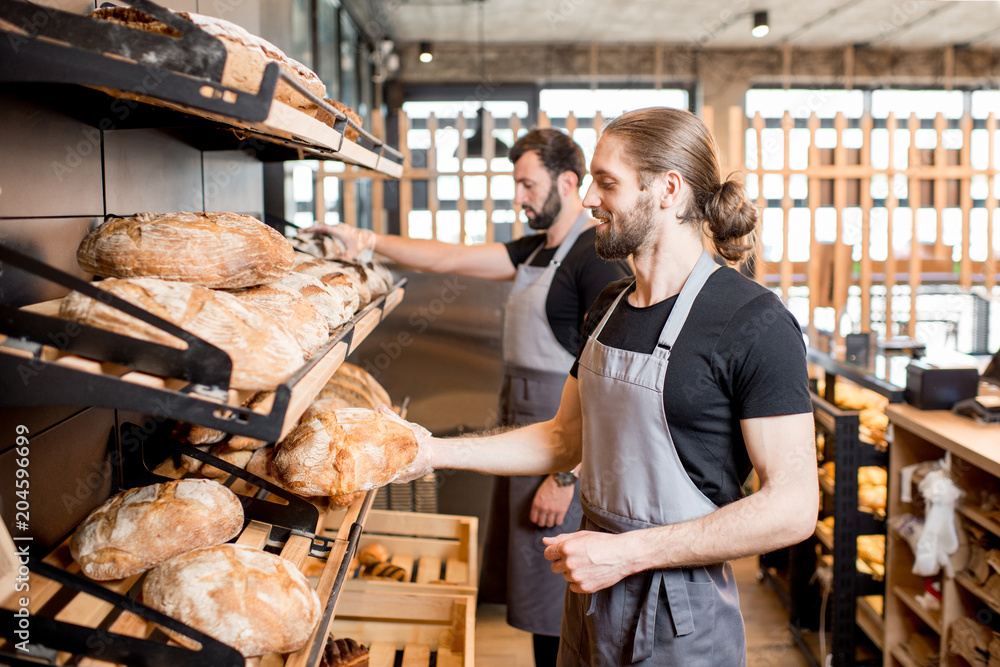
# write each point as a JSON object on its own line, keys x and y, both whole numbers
{"x": 972, "y": 441}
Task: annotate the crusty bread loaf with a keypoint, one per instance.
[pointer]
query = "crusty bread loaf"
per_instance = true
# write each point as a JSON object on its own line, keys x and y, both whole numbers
{"x": 349, "y": 374}
{"x": 246, "y": 54}
{"x": 335, "y": 277}
{"x": 344, "y": 652}
{"x": 309, "y": 246}
{"x": 373, "y": 552}
{"x": 343, "y": 451}
{"x": 263, "y": 353}
{"x": 349, "y": 132}
{"x": 220, "y": 250}
{"x": 337, "y": 303}
{"x": 296, "y": 312}
{"x": 139, "y": 528}
{"x": 251, "y": 600}
{"x": 237, "y": 457}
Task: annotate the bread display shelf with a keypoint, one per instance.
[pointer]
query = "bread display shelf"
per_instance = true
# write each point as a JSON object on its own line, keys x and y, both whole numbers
{"x": 869, "y": 619}
{"x": 81, "y": 618}
{"x": 857, "y": 374}
{"x": 438, "y": 552}
{"x": 425, "y": 629}
{"x": 76, "y": 52}
{"x": 77, "y": 381}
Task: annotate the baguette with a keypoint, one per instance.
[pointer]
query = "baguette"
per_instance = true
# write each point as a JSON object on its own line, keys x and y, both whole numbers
{"x": 219, "y": 250}
{"x": 139, "y": 528}
{"x": 344, "y": 451}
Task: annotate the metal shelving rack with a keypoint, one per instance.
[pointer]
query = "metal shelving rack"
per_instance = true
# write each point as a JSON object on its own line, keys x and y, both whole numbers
{"x": 91, "y": 70}
{"x": 846, "y": 613}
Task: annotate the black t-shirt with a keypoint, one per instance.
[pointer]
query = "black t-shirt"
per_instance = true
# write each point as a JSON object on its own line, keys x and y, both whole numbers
{"x": 576, "y": 283}
{"x": 740, "y": 355}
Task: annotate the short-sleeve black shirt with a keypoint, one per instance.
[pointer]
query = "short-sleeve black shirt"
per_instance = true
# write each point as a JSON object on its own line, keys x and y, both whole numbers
{"x": 739, "y": 356}
{"x": 576, "y": 283}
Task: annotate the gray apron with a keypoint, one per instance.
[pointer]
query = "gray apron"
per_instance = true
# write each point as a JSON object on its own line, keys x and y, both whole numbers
{"x": 632, "y": 478}
{"x": 535, "y": 369}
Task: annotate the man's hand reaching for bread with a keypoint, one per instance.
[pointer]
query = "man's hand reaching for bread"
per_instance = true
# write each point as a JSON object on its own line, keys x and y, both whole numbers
{"x": 421, "y": 464}
{"x": 355, "y": 240}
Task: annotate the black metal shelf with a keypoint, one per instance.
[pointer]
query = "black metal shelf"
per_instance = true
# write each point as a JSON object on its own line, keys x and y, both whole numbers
{"x": 202, "y": 396}
{"x": 859, "y": 375}
{"x": 157, "y": 81}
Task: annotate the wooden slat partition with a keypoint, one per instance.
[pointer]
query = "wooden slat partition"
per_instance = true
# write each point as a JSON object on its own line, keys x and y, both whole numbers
{"x": 829, "y": 272}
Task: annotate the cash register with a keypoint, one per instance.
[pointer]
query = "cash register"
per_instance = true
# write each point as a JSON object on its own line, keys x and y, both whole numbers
{"x": 986, "y": 406}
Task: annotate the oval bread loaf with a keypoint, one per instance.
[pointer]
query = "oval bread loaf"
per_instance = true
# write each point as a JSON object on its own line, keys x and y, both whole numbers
{"x": 263, "y": 353}
{"x": 251, "y": 600}
{"x": 220, "y": 250}
{"x": 139, "y": 528}
{"x": 343, "y": 451}
{"x": 302, "y": 319}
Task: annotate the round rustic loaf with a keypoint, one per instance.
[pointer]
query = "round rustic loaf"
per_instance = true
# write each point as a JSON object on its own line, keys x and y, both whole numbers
{"x": 343, "y": 451}
{"x": 263, "y": 352}
{"x": 221, "y": 250}
{"x": 139, "y": 528}
{"x": 337, "y": 303}
{"x": 251, "y": 600}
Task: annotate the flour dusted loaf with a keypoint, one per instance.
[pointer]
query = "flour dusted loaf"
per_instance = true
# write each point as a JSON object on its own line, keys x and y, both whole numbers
{"x": 297, "y": 313}
{"x": 246, "y": 54}
{"x": 139, "y": 528}
{"x": 251, "y": 600}
{"x": 337, "y": 303}
{"x": 343, "y": 451}
{"x": 221, "y": 250}
{"x": 263, "y": 353}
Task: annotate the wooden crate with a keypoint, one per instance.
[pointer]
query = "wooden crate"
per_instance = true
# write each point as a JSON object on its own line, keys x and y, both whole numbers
{"x": 422, "y": 626}
{"x": 439, "y": 552}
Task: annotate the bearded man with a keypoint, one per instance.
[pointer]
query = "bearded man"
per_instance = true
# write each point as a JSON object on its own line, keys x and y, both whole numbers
{"x": 557, "y": 274}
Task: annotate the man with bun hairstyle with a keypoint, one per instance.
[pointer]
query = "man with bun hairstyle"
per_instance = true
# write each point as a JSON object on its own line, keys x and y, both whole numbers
{"x": 691, "y": 376}
{"x": 557, "y": 275}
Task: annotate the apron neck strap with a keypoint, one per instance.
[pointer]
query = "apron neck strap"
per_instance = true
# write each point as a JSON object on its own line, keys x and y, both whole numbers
{"x": 682, "y": 307}
{"x": 565, "y": 246}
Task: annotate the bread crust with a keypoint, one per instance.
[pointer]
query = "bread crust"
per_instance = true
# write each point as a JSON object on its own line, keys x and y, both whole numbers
{"x": 296, "y": 312}
{"x": 142, "y": 527}
{"x": 263, "y": 353}
{"x": 218, "y": 250}
{"x": 252, "y": 600}
{"x": 343, "y": 451}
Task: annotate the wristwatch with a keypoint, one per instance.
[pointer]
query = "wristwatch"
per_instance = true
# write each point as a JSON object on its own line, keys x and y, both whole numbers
{"x": 564, "y": 478}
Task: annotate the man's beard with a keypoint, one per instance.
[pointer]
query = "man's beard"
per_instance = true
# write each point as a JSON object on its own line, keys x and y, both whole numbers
{"x": 627, "y": 234}
{"x": 550, "y": 211}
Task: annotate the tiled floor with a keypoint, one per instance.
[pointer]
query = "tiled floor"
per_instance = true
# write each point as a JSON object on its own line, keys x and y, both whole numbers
{"x": 769, "y": 644}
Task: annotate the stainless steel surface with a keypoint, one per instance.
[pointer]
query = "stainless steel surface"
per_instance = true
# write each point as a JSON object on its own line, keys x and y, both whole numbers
{"x": 51, "y": 163}
{"x": 233, "y": 182}
{"x": 147, "y": 170}
{"x": 51, "y": 240}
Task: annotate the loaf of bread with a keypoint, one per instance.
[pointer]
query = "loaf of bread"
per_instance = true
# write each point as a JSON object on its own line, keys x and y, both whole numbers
{"x": 263, "y": 353}
{"x": 139, "y": 528}
{"x": 372, "y": 553}
{"x": 349, "y": 132}
{"x": 344, "y": 499}
{"x": 296, "y": 312}
{"x": 251, "y": 600}
{"x": 344, "y": 451}
{"x": 316, "y": 246}
{"x": 337, "y": 303}
{"x": 335, "y": 277}
{"x": 344, "y": 652}
{"x": 384, "y": 571}
{"x": 355, "y": 383}
{"x": 220, "y": 250}
{"x": 246, "y": 54}
{"x": 375, "y": 280}
{"x": 221, "y": 451}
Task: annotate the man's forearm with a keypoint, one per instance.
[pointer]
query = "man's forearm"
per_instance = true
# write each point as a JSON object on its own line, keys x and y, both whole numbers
{"x": 422, "y": 254}
{"x": 537, "y": 449}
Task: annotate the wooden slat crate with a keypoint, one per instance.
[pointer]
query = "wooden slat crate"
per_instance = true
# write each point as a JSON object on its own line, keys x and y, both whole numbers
{"x": 425, "y": 628}
{"x": 439, "y": 552}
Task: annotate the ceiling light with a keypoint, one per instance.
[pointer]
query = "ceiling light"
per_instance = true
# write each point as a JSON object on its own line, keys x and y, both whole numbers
{"x": 760, "y": 26}
{"x": 425, "y": 52}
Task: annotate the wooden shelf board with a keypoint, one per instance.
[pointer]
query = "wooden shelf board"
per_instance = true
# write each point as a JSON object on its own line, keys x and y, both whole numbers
{"x": 909, "y": 598}
{"x": 870, "y": 622}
